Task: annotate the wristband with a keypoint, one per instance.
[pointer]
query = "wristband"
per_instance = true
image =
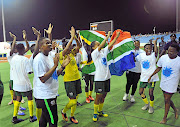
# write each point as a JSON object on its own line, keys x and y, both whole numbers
{"x": 62, "y": 67}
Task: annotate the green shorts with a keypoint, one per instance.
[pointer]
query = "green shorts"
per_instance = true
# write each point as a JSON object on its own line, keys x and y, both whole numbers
{"x": 73, "y": 88}
{"x": 24, "y": 94}
{"x": 11, "y": 84}
{"x": 102, "y": 86}
{"x": 145, "y": 84}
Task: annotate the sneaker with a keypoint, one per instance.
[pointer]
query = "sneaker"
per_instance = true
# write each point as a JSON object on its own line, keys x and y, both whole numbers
{"x": 125, "y": 98}
{"x": 102, "y": 114}
{"x": 95, "y": 117}
{"x": 11, "y": 102}
{"x": 16, "y": 120}
{"x": 21, "y": 108}
{"x": 73, "y": 120}
{"x": 79, "y": 104}
{"x": 87, "y": 100}
{"x": 32, "y": 118}
{"x": 20, "y": 113}
{"x": 145, "y": 107}
{"x": 132, "y": 100}
{"x": 91, "y": 98}
{"x": 64, "y": 116}
{"x": 151, "y": 110}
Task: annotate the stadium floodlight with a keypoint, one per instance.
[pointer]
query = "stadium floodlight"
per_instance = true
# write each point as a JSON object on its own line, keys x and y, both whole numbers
{"x": 3, "y": 21}
{"x": 177, "y": 18}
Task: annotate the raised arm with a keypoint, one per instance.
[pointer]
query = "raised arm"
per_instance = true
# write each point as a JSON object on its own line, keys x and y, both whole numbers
{"x": 25, "y": 39}
{"x": 38, "y": 34}
{"x": 51, "y": 71}
{"x": 155, "y": 47}
{"x": 49, "y": 31}
{"x": 78, "y": 46}
{"x": 113, "y": 41}
{"x": 64, "y": 64}
{"x": 72, "y": 31}
{"x": 156, "y": 71}
{"x": 104, "y": 41}
{"x": 13, "y": 44}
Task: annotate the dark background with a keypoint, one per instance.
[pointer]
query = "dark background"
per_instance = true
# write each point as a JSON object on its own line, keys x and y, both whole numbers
{"x": 135, "y": 16}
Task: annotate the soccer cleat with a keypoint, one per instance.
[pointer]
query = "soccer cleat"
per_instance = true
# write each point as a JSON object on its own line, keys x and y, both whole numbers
{"x": 20, "y": 113}
{"x": 21, "y": 108}
{"x": 87, "y": 100}
{"x": 132, "y": 100}
{"x": 32, "y": 118}
{"x": 16, "y": 120}
{"x": 58, "y": 95}
{"x": 95, "y": 117}
{"x": 151, "y": 110}
{"x": 64, "y": 116}
{"x": 91, "y": 98}
{"x": 125, "y": 98}
{"x": 145, "y": 107}
{"x": 79, "y": 104}
{"x": 11, "y": 102}
{"x": 102, "y": 114}
{"x": 73, "y": 120}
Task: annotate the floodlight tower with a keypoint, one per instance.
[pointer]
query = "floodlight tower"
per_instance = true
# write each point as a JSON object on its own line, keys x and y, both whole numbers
{"x": 3, "y": 21}
{"x": 177, "y": 18}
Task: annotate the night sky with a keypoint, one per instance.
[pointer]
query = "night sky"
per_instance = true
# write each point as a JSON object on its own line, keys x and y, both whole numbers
{"x": 135, "y": 16}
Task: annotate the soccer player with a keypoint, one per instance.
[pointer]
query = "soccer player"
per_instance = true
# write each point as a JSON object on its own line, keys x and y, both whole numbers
{"x": 1, "y": 90}
{"x": 133, "y": 75}
{"x": 22, "y": 86}
{"x": 102, "y": 74}
{"x": 148, "y": 65}
{"x": 71, "y": 77}
{"x": 170, "y": 75}
{"x": 12, "y": 53}
{"x": 45, "y": 87}
{"x": 88, "y": 77}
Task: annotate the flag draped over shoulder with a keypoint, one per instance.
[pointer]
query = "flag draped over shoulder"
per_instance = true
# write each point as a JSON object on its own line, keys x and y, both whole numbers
{"x": 88, "y": 36}
{"x": 121, "y": 56}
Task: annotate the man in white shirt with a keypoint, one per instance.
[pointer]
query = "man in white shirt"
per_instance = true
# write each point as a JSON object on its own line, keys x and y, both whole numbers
{"x": 45, "y": 84}
{"x": 133, "y": 75}
{"x": 170, "y": 75}
{"x": 148, "y": 65}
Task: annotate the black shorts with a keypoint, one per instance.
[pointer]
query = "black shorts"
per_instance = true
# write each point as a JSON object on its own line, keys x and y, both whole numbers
{"x": 24, "y": 94}
{"x": 49, "y": 109}
{"x": 102, "y": 86}
{"x": 73, "y": 88}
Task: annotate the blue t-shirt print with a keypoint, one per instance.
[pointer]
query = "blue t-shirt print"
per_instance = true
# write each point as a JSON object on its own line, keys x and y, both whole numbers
{"x": 54, "y": 75}
{"x": 167, "y": 71}
{"x": 146, "y": 64}
{"x": 103, "y": 61}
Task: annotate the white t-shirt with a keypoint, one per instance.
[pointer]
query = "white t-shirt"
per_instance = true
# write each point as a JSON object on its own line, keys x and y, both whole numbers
{"x": 170, "y": 74}
{"x": 9, "y": 58}
{"x": 148, "y": 66}
{"x": 100, "y": 61}
{"x": 31, "y": 60}
{"x": 20, "y": 69}
{"x": 78, "y": 59}
{"x": 137, "y": 67}
{"x": 41, "y": 65}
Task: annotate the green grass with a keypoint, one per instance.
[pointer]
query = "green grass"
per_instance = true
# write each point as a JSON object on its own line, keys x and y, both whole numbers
{"x": 121, "y": 114}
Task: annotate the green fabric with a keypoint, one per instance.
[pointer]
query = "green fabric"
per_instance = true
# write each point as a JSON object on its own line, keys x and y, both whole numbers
{"x": 87, "y": 69}
{"x": 120, "y": 50}
{"x": 49, "y": 110}
{"x": 145, "y": 84}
